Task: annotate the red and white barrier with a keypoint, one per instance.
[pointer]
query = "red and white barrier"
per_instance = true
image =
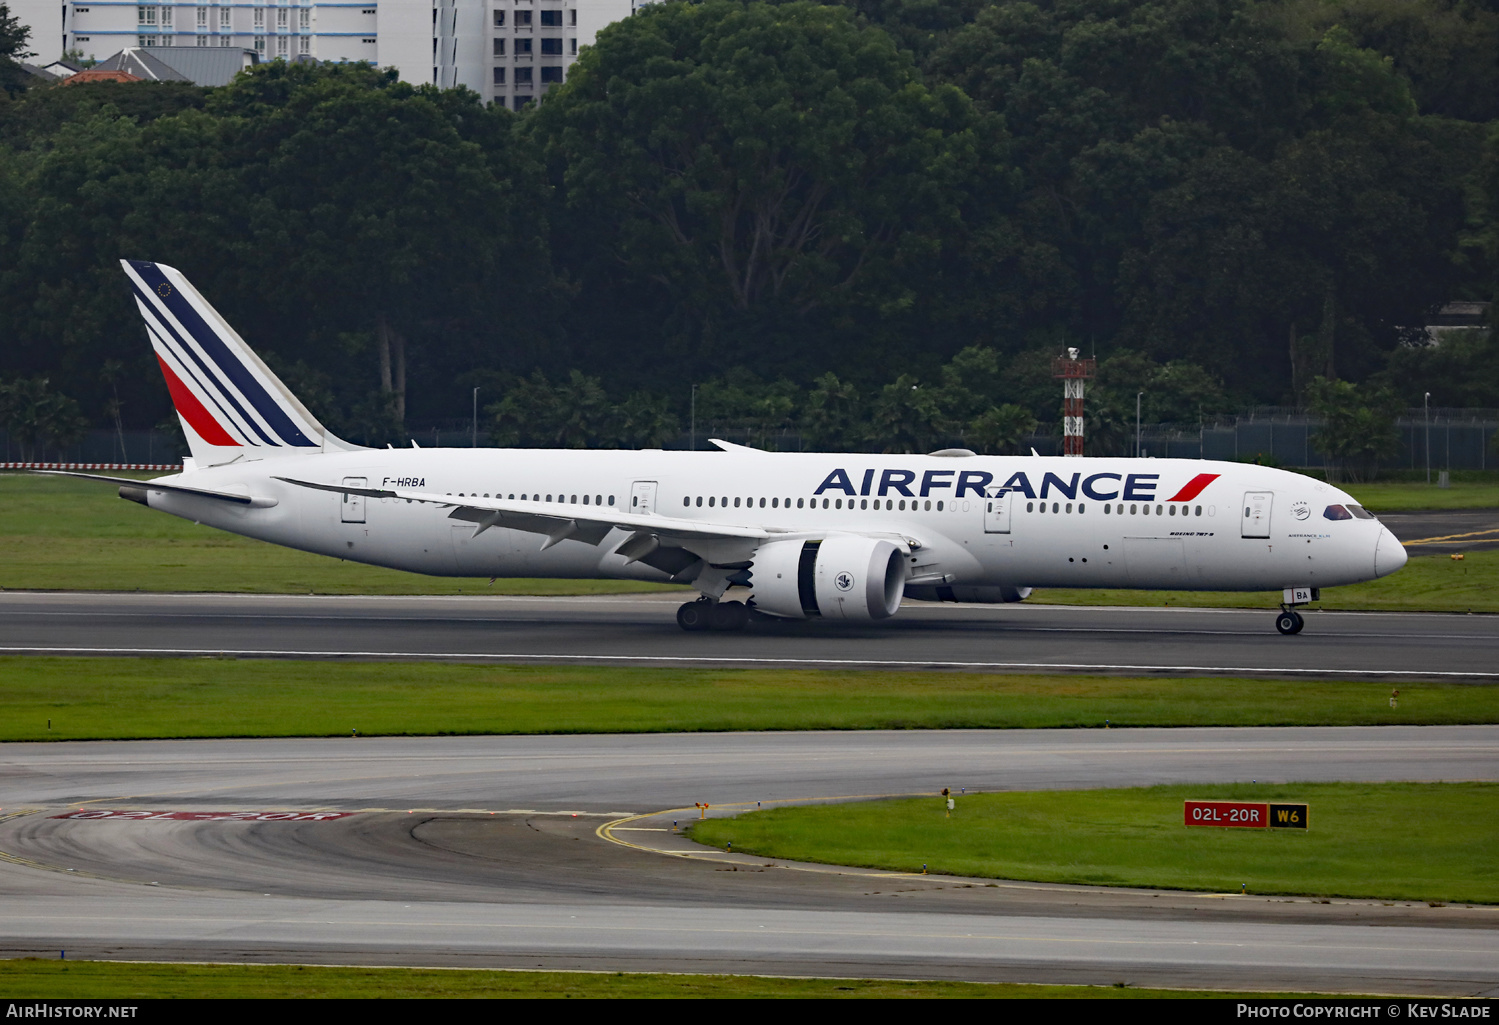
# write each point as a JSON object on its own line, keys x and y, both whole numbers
{"x": 167, "y": 467}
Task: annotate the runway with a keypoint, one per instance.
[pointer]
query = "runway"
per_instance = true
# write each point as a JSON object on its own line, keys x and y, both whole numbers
{"x": 495, "y": 851}
{"x": 1445, "y": 532}
{"x": 641, "y": 630}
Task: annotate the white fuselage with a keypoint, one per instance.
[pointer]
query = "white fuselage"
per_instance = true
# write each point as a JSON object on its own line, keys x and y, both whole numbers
{"x": 1069, "y": 522}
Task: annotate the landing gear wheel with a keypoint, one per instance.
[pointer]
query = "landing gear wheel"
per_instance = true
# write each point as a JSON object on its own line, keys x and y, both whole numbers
{"x": 694, "y": 616}
{"x": 728, "y": 615}
{"x": 1289, "y": 622}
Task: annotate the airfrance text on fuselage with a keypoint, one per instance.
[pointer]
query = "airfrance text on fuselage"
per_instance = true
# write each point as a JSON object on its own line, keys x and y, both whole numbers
{"x": 1101, "y": 487}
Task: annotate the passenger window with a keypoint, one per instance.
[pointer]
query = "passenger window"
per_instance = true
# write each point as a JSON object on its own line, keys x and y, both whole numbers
{"x": 1056, "y": 507}
{"x": 699, "y": 501}
{"x": 1198, "y": 512}
{"x": 711, "y": 499}
{"x": 799, "y": 502}
{"x": 824, "y": 503}
{"x": 1337, "y": 512}
{"x": 939, "y": 505}
{"x": 762, "y": 503}
{"x": 686, "y": 502}
{"x": 1030, "y": 507}
{"x": 736, "y": 503}
{"x": 775, "y": 503}
{"x": 1080, "y": 507}
{"x": 1069, "y": 506}
{"x": 1134, "y": 510}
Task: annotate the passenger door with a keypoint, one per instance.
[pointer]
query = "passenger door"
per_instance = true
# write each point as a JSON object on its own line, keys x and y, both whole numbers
{"x": 997, "y": 512}
{"x": 643, "y": 497}
{"x": 351, "y": 509}
{"x": 1255, "y": 521}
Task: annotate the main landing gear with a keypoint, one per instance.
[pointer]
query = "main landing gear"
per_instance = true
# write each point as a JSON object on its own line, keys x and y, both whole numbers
{"x": 1289, "y": 621}
{"x": 704, "y": 614}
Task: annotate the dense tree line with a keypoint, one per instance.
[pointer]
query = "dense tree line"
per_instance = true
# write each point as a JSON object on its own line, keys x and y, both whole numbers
{"x": 875, "y": 222}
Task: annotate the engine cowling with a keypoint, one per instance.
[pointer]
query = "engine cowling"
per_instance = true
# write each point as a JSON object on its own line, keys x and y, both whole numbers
{"x": 844, "y": 576}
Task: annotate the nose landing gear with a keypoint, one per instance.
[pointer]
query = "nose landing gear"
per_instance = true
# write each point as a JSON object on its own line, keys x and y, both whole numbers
{"x": 1289, "y": 621}
{"x": 712, "y": 615}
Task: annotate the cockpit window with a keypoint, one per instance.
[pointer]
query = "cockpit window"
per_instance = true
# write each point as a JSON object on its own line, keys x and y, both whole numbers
{"x": 1337, "y": 512}
{"x": 1360, "y": 512}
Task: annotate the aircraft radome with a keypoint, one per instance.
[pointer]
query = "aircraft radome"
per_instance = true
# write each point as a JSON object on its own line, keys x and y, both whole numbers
{"x": 836, "y": 536}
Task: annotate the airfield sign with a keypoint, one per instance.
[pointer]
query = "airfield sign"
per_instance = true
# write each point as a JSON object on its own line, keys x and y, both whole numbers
{"x": 1244, "y": 815}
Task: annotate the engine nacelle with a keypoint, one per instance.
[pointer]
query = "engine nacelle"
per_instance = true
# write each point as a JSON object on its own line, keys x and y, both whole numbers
{"x": 840, "y": 577}
{"x": 974, "y": 595}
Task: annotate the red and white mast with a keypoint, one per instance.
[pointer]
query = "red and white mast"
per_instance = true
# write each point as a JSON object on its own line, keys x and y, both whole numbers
{"x": 1073, "y": 372}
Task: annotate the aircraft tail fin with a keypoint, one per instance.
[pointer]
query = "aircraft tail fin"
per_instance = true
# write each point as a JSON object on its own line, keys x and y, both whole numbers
{"x": 230, "y": 403}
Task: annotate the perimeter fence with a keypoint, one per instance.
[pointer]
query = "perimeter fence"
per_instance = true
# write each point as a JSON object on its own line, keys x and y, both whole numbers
{"x": 1457, "y": 439}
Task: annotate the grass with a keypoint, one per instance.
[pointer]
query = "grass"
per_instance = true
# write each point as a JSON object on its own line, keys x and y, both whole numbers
{"x": 32, "y": 979}
{"x": 1428, "y": 583}
{"x": 63, "y": 534}
{"x": 1395, "y": 497}
{"x": 1395, "y": 841}
{"x": 121, "y": 698}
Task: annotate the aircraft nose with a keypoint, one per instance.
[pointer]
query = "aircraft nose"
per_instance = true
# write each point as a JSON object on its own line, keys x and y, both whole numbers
{"x": 1389, "y": 553}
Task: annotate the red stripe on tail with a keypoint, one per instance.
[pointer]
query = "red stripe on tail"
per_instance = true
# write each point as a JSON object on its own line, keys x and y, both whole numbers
{"x": 1194, "y": 487}
{"x": 198, "y": 418}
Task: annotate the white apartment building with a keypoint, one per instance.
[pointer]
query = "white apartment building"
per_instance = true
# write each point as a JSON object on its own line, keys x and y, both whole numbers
{"x": 508, "y": 51}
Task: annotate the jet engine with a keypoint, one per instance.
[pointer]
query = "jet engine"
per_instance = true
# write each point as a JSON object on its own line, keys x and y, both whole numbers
{"x": 845, "y": 576}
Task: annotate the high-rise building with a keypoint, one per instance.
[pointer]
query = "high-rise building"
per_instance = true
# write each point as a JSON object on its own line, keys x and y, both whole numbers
{"x": 508, "y": 51}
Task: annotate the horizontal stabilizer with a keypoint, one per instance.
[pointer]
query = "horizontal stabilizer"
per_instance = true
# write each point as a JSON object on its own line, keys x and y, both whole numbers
{"x": 262, "y": 502}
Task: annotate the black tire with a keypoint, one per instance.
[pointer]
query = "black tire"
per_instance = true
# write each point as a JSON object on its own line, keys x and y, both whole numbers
{"x": 1288, "y": 623}
{"x": 728, "y": 615}
{"x": 693, "y": 616}
{"x": 1300, "y": 622}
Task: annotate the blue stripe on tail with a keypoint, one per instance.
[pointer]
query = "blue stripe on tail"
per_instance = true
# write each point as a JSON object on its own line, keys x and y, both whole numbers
{"x": 229, "y": 364}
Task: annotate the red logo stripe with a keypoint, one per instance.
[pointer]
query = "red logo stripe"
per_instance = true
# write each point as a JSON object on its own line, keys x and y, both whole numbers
{"x": 1194, "y": 487}
{"x": 198, "y": 418}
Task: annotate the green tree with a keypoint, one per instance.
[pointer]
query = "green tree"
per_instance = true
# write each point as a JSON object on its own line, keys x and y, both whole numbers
{"x": 753, "y": 165}
{"x": 906, "y": 417}
{"x": 35, "y": 417}
{"x": 834, "y": 416}
{"x": 13, "y": 39}
{"x": 1000, "y": 430}
{"x": 1358, "y": 426}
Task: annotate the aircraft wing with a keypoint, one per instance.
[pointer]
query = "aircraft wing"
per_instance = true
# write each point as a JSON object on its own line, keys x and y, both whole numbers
{"x": 590, "y": 524}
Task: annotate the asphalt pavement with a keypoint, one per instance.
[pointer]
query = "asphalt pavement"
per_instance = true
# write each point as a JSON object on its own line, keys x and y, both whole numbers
{"x": 531, "y": 852}
{"x": 641, "y": 630}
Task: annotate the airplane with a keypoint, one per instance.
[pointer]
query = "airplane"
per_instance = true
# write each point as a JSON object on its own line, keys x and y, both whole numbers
{"x": 836, "y": 536}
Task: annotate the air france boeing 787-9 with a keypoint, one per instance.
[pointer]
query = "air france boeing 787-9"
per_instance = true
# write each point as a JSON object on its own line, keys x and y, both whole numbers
{"x": 836, "y": 536}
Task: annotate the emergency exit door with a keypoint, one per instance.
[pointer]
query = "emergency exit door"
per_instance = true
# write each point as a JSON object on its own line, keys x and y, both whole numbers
{"x": 997, "y": 512}
{"x": 1254, "y": 521}
{"x": 351, "y": 509}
